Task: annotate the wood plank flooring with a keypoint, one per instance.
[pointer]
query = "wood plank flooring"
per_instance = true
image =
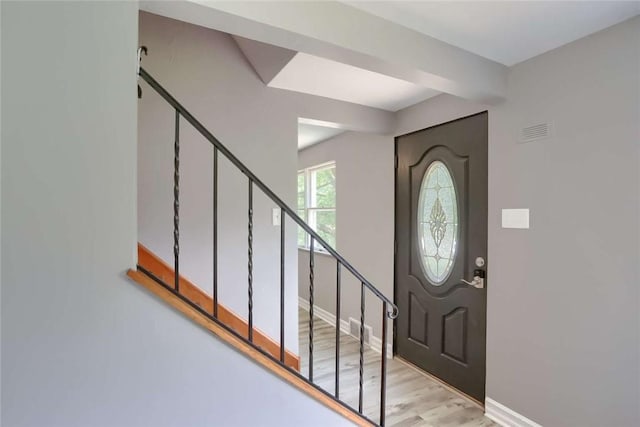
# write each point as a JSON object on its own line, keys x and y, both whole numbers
{"x": 413, "y": 399}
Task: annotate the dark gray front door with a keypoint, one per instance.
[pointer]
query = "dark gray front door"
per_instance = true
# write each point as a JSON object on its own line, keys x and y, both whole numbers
{"x": 441, "y": 237}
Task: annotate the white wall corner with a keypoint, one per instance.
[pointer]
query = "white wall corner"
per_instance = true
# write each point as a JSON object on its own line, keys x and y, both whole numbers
{"x": 375, "y": 343}
{"x": 504, "y": 416}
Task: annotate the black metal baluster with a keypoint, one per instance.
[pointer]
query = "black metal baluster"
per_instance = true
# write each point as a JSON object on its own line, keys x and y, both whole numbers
{"x": 250, "y": 262}
{"x": 337, "y": 393}
{"x": 360, "y": 389}
{"x": 176, "y": 204}
{"x": 215, "y": 232}
{"x": 311, "y": 278}
{"x": 383, "y": 371}
{"x": 282, "y": 344}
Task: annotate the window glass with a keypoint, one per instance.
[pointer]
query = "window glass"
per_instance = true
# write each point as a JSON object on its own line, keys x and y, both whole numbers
{"x": 301, "y": 211}
{"x": 437, "y": 223}
{"x": 317, "y": 203}
{"x": 301, "y": 190}
{"x": 325, "y": 225}
{"x": 324, "y": 188}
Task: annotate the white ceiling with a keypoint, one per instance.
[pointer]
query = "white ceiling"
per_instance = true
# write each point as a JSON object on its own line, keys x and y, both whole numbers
{"x": 323, "y": 77}
{"x": 312, "y": 134}
{"x": 504, "y": 31}
{"x": 507, "y": 32}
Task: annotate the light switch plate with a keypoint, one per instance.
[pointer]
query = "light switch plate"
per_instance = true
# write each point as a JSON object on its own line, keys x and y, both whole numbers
{"x": 515, "y": 218}
{"x": 275, "y": 216}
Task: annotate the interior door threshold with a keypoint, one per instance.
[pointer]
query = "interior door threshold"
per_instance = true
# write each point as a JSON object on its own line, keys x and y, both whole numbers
{"x": 439, "y": 381}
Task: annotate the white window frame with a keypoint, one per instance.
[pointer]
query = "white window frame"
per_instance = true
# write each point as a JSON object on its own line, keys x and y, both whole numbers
{"x": 308, "y": 196}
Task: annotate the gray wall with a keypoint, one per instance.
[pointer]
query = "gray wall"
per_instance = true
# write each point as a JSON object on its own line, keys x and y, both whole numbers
{"x": 81, "y": 345}
{"x": 364, "y": 224}
{"x": 0, "y": 226}
{"x": 205, "y": 70}
{"x": 563, "y": 327}
{"x": 562, "y": 344}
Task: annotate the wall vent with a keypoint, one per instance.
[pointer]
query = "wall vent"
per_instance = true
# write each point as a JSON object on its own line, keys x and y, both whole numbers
{"x": 535, "y": 132}
{"x": 354, "y": 329}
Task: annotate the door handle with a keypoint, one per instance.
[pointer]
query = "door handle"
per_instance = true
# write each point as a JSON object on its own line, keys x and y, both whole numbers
{"x": 478, "y": 279}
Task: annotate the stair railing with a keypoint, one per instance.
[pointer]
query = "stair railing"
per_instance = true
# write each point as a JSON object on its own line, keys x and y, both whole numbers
{"x": 389, "y": 309}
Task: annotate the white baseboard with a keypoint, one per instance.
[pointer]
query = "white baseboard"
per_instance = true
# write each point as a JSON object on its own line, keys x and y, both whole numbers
{"x": 375, "y": 343}
{"x": 504, "y": 416}
{"x": 324, "y": 315}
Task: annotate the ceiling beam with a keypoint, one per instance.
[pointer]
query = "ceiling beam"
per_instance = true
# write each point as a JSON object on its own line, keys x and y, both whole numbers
{"x": 342, "y": 33}
{"x": 321, "y": 111}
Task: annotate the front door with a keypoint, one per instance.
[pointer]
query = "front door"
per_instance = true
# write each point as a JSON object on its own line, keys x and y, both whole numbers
{"x": 441, "y": 253}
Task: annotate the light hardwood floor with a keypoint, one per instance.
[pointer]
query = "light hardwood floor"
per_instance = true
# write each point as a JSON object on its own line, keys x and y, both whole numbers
{"x": 413, "y": 399}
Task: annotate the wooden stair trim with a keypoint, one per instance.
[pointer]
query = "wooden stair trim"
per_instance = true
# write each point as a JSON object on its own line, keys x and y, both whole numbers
{"x": 174, "y": 301}
{"x": 152, "y": 263}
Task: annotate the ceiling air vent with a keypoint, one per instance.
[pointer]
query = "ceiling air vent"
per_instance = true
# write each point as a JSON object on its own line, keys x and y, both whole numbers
{"x": 535, "y": 132}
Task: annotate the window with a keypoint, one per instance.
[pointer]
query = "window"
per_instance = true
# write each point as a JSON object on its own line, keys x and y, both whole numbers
{"x": 317, "y": 203}
{"x": 438, "y": 223}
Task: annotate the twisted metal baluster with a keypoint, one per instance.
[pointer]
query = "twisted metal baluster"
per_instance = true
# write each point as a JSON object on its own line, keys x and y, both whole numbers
{"x": 215, "y": 232}
{"x": 311, "y": 278}
{"x": 282, "y": 256}
{"x": 176, "y": 203}
{"x": 383, "y": 372}
{"x": 360, "y": 394}
{"x": 250, "y": 261}
{"x": 337, "y": 380}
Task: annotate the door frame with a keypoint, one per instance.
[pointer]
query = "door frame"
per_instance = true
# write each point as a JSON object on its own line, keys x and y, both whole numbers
{"x": 395, "y": 255}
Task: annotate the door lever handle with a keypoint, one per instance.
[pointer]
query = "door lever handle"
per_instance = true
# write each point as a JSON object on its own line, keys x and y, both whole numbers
{"x": 478, "y": 280}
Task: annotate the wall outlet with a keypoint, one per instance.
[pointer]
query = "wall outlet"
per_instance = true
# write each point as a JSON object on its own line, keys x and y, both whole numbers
{"x": 275, "y": 216}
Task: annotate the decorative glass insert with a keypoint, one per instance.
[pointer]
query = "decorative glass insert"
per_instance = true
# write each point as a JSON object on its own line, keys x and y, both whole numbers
{"x": 437, "y": 223}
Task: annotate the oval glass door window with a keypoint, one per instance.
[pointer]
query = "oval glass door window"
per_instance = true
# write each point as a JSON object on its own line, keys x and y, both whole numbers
{"x": 437, "y": 223}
